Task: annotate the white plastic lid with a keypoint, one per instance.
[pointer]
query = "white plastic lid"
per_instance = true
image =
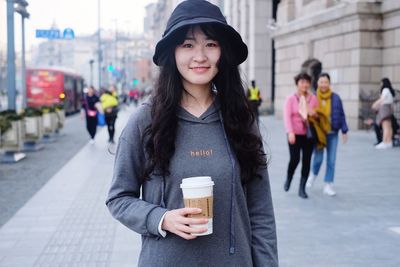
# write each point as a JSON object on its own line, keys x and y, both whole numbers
{"x": 199, "y": 181}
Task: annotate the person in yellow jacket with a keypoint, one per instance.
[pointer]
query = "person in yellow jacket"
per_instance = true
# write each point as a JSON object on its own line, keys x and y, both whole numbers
{"x": 109, "y": 103}
{"x": 254, "y": 97}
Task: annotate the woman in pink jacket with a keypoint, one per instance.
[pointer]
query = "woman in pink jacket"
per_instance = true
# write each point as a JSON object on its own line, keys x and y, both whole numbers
{"x": 298, "y": 107}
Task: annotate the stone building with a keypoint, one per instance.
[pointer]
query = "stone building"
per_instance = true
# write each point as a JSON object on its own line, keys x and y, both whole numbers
{"x": 356, "y": 41}
{"x": 254, "y": 19}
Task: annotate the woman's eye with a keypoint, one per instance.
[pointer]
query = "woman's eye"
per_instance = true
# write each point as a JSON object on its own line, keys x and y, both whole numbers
{"x": 212, "y": 44}
{"x": 187, "y": 45}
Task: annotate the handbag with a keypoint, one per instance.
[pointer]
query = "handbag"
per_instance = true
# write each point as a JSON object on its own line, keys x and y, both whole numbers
{"x": 91, "y": 113}
{"x": 311, "y": 134}
{"x": 101, "y": 120}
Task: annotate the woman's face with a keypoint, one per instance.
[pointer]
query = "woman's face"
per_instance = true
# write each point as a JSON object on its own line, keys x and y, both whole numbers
{"x": 323, "y": 84}
{"x": 90, "y": 91}
{"x": 303, "y": 86}
{"x": 197, "y": 58}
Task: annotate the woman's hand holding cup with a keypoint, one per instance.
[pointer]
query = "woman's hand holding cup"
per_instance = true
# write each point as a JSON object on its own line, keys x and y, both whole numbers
{"x": 177, "y": 222}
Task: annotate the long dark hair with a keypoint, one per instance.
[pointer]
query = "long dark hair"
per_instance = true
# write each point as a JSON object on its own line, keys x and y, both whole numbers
{"x": 387, "y": 84}
{"x": 239, "y": 121}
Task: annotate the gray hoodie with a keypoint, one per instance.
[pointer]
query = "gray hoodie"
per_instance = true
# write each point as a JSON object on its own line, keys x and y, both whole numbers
{"x": 244, "y": 224}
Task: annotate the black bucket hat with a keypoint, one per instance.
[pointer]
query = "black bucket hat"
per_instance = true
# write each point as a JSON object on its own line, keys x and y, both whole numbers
{"x": 193, "y": 12}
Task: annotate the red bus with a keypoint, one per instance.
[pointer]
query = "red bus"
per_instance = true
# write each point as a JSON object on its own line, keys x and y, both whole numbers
{"x": 48, "y": 86}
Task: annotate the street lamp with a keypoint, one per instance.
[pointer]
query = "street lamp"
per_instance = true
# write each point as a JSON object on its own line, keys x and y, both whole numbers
{"x": 91, "y": 71}
{"x": 10, "y": 56}
{"x": 99, "y": 52}
{"x": 21, "y": 9}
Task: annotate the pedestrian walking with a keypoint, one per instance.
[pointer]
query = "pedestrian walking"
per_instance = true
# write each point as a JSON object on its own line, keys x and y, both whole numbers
{"x": 90, "y": 108}
{"x": 329, "y": 105}
{"x": 254, "y": 97}
{"x": 384, "y": 108}
{"x": 299, "y": 107}
{"x": 109, "y": 103}
{"x": 197, "y": 123}
{"x": 379, "y": 131}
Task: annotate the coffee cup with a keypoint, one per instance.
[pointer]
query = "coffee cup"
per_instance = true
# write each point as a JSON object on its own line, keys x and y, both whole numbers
{"x": 198, "y": 193}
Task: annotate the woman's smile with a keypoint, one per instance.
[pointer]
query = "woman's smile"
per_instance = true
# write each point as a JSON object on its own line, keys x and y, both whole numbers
{"x": 200, "y": 70}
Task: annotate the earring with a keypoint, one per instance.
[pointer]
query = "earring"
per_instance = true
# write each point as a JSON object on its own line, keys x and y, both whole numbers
{"x": 214, "y": 88}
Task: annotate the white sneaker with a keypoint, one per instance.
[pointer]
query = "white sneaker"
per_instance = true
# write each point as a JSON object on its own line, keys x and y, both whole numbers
{"x": 383, "y": 145}
{"x": 311, "y": 180}
{"x": 92, "y": 141}
{"x": 328, "y": 190}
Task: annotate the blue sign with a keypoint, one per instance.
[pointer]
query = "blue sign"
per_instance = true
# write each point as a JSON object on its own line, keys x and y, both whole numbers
{"x": 48, "y": 34}
{"x": 68, "y": 34}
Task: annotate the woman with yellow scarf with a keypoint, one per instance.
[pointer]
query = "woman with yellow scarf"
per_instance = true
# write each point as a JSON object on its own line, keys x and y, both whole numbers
{"x": 331, "y": 108}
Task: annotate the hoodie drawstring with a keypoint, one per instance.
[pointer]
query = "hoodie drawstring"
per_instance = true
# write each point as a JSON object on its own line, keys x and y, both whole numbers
{"x": 233, "y": 189}
{"x": 162, "y": 204}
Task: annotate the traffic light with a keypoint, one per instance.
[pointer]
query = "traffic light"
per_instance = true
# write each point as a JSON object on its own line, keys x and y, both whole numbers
{"x": 135, "y": 82}
{"x": 110, "y": 67}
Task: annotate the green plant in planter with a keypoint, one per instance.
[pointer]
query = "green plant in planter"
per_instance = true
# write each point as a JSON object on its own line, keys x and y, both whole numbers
{"x": 6, "y": 117}
{"x": 59, "y": 106}
{"x": 32, "y": 112}
{"x": 4, "y": 124}
{"x": 11, "y": 115}
{"x": 47, "y": 109}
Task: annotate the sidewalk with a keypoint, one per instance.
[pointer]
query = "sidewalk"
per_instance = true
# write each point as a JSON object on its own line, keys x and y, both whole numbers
{"x": 67, "y": 223}
{"x": 360, "y": 227}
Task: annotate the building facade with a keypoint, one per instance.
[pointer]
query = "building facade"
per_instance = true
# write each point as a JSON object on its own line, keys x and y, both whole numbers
{"x": 253, "y": 19}
{"x": 3, "y": 46}
{"x": 74, "y": 54}
{"x": 356, "y": 41}
{"x": 123, "y": 56}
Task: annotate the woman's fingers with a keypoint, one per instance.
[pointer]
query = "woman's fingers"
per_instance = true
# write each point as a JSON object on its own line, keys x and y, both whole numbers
{"x": 187, "y": 211}
{"x": 185, "y": 220}
{"x": 177, "y": 222}
{"x": 185, "y": 235}
{"x": 190, "y": 230}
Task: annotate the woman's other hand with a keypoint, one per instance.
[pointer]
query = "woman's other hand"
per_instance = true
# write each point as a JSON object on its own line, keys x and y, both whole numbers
{"x": 292, "y": 138}
{"x": 312, "y": 113}
{"x": 177, "y": 222}
{"x": 345, "y": 138}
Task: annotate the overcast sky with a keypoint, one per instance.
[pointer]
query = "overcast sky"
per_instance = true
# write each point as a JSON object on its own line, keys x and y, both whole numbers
{"x": 81, "y": 16}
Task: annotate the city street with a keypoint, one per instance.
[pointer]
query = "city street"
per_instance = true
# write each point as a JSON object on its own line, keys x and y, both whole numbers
{"x": 61, "y": 57}
{"x": 67, "y": 224}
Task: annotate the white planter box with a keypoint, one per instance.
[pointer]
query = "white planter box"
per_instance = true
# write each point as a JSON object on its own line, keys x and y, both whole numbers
{"x": 12, "y": 139}
{"x": 60, "y": 118}
{"x": 49, "y": 122}
{"x": 33, "y": 128}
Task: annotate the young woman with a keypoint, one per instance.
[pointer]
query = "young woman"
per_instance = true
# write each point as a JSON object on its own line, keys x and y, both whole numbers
{"x": 331, "y": 106}
{"x": 198, "y": 105}
{"x": 90, "y": 104}
{"x": 298, "y": 107}
{"x": 385, "y": 111}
